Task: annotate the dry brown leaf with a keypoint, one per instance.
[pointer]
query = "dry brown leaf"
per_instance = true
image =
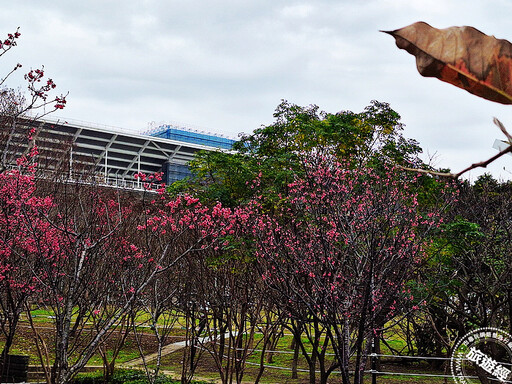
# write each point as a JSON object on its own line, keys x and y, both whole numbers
{"x": 462, "y": 56}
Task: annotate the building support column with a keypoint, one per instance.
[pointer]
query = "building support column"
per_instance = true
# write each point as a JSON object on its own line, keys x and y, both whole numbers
{"x": 106, "y": 165}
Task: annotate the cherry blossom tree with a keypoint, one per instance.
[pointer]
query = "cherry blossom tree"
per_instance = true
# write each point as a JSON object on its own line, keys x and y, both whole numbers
{"x": 19, "y": 276}
{"x": 230, "y": 303}
{"x": 89, "y": 257}
{"x": 110, "y": 252}
{"x": 19, "y": 241}
{"x": 38, "y": 101}
{"x": 343, "y": 244}
{"x": 181, "y": 230}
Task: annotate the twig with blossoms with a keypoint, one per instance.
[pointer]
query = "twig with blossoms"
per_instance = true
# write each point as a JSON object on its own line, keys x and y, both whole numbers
{"x": 9, "y": 42}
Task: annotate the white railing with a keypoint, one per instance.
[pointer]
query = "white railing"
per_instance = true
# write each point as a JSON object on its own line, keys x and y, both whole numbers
{"x": 98, "y": 179}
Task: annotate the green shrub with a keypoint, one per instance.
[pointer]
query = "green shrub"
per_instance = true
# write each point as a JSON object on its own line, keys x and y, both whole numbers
{"x": 125, "y": 376}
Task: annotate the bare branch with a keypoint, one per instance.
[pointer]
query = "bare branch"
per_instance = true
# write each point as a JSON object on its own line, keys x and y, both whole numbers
{"x": 485, "y": 163}
{"x": 10, "y": 73}
{"x": 481, "y": 164}
{"x": 428, "y": 172}
{"x": 503, "y": 129}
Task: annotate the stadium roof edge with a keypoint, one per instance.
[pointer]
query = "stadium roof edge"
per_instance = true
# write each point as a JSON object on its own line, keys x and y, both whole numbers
{"x": 115, "y": 130}
{"x": 114, "y": 155}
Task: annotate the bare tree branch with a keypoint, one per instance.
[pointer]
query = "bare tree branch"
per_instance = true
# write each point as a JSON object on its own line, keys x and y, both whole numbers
{"x": 481, "y": 164}
{"x": 503, "y": 129}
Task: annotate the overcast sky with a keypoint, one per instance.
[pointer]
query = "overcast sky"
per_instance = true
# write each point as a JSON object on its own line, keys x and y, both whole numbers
{"x": 224, "y": 65}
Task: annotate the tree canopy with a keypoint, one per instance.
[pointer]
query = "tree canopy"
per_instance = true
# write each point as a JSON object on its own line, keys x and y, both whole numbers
{"x": 275, "y": 154}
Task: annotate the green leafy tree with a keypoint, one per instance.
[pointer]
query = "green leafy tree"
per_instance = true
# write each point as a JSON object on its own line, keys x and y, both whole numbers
{"x": 275, "y": 154}
{"x": 468, "y": 278}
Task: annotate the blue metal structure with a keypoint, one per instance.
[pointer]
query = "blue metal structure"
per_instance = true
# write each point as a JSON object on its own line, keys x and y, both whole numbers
{"x": 174, "y": 171}
{"x": 188, "y": 136}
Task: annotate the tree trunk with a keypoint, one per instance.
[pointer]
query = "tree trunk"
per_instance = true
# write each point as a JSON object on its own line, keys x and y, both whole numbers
{"x": 295, "y": 362}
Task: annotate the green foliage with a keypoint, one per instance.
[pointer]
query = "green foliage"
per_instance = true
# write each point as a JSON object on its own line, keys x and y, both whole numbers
{"x": 299, "y": 131}
{"x": 236, "y": 254}
{"x": 467, "y": 278}
{"x": 266, "y": 161}
{"x": 488, "y": 187}
{"x": 126, "y": 376}
{"x": 449, "y": 247}
{"x": 431, "y": 190}
{"x": 459, "y": 236}
{"x": 218, "y": 176}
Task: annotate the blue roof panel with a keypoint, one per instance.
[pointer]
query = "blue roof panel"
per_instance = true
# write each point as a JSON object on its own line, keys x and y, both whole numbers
{"x": 209, "y": 140}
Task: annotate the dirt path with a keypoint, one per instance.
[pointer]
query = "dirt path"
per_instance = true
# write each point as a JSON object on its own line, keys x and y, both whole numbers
{"x": 166, "y": 350}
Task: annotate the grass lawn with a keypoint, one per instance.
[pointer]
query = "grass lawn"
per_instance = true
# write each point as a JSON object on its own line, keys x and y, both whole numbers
{"x": 206, "y": 369}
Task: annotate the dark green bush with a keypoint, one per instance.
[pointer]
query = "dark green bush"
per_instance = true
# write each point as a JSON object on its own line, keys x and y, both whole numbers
{"x": 125, "y": 376}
